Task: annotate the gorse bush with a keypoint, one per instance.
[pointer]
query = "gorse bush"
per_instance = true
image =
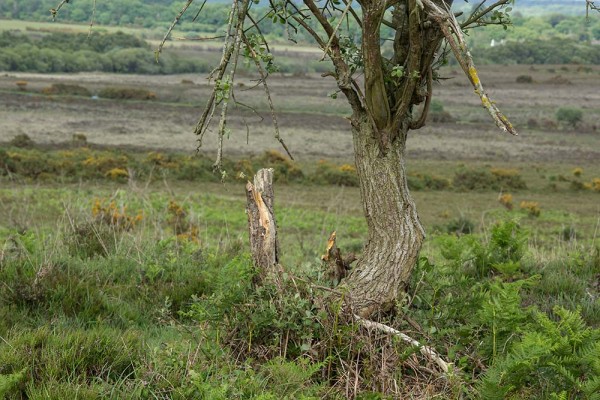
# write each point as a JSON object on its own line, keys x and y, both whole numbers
{"x": 524, "y": 79}
{"x": 427, "y": 182}
{"x": 328, "y": 173}
{"x": 495, "y": 178}
{"x": 63, "y": 89}
{"x": 126, "y": 93}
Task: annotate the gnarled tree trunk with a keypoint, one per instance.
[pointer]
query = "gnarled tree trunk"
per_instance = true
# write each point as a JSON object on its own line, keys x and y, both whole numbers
{"x": 395, "y": 234}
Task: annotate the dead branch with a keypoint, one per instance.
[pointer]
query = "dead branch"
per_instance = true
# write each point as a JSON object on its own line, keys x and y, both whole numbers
{"x": 590, "y": 5}
{"x": 425, "y": 350}
{"x": 337, "y": 267}
{"x": 453, "y": 34}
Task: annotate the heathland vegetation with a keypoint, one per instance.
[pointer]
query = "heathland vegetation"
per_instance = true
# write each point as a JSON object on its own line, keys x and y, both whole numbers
{"x": 125, "y": 271}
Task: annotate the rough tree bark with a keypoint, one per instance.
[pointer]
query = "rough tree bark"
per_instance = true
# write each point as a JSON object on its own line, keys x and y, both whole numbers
{"x": 380, "y": 130}
{"x": 395, "y": 234}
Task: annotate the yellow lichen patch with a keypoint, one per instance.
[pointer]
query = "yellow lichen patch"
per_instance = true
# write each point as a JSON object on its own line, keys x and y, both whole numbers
{"x": 474, "y": 76}
{"x": 486, "y": 101}
{"x": 578, "y": 171}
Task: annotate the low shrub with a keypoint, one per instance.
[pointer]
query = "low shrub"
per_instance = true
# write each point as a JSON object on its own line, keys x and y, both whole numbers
{"x": 22, "y": 140}
{"x": 426, "y": 181}
{"x": 63, "y": 89}
{"x": 509, "y": 178}
{"x": 79, "y": 140}
{"x": 328, "y": 173}
{"x": 506, "y": 200}
{"x": 127, "y": 93}
{"x": 437, "y": 114}
{"x": 531, "y": 207}
{"x": 555, "y": 358}
{"x": 460, "y": 226}
{"x": 569, "y": 115}
{"x": 532, "y": 123}
{"x": 495, "y": 178}
{"x": 180, "y": 223}
{"x": 524, "y": 79}
{"x": 286, "y": 170}
{"x": 22, "y": 85}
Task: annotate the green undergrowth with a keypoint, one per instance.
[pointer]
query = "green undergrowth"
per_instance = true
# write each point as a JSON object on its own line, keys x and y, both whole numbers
{"x": 151, "y": 294}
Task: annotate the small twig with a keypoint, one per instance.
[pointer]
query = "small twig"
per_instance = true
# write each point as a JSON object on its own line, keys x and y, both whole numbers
{"x": 175, "y": 22}
{"x": 239, "y": 32}
{"x": 93, "y": 18}
{"x": 209, "y": 110}
{"x": 263, "y": 76}
{"x": 201, "y": 38}
{"x": 199, "y": 11}
{"x": 332, "y": 36}
{"x": 55, "y": 11}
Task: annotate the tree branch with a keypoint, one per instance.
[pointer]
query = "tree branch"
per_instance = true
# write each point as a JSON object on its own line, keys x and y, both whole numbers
{"x": 375, "y": 90}
{"x": 453, "y": 34}
{"x": 263, "y": 79}
{"x": 175, "y": 22}
{"x": 425, "y": 350}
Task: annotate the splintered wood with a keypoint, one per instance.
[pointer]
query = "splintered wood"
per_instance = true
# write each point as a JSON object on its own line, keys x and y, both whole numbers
{"x": 337, "y": 267}
{"x": 261, "y": 223}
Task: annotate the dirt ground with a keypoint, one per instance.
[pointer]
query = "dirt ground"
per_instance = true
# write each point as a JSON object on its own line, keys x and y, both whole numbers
{"x": 312, "y": 124}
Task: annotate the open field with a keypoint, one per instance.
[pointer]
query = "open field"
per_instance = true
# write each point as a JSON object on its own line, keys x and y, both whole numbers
{"x": 305, "y": 112}
{"x": 314, "y": 127}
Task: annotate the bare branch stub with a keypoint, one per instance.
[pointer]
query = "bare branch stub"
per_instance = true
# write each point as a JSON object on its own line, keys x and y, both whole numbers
{"x": 337, "y": 267}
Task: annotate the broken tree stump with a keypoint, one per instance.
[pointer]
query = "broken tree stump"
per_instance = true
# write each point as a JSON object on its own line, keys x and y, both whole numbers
{"x": 337, "y": 267}
{"x": 264, "y": 245}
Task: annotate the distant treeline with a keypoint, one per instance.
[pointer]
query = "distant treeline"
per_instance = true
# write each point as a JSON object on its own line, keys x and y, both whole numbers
{"x": 144, "y": 13}
{"x": 108, "y": 52}
{"x": 537, "y": 51}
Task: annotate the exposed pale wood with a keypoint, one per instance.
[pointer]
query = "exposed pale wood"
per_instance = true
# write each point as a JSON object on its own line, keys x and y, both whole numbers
{"x": 261, "y": 223}
{"x": 425, "y": 350}
{"x": 337, "y": 267}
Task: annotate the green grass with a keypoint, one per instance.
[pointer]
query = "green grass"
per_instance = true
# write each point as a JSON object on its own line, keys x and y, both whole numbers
{"x": 95, "y": 309}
